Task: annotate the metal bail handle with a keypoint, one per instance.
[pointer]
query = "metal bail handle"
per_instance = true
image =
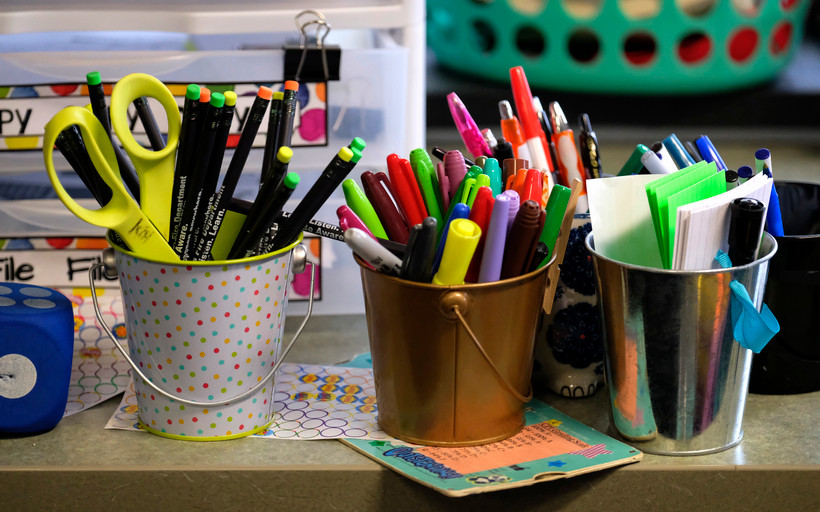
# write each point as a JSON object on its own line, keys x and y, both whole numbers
{"x": 453, "y": 304}
{"x": 299, "y": 261}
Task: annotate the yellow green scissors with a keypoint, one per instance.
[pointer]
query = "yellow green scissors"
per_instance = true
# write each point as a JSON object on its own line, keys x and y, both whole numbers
{"x": 143, "y": 227}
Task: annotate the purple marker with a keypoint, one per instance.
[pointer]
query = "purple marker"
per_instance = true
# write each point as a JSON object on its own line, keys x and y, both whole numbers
{"x": 493, "y": 255}
{"x": 515, "y": 202}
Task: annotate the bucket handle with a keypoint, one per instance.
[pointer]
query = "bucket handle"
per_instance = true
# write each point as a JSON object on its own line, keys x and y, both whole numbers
{"x": 455, "y": 302}
{"x": 108, "y": 265}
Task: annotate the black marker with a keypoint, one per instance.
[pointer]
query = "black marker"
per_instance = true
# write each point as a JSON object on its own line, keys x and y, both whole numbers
{"x": 417, "y": 264}
{"x": 333, "y": 175}
{"x": 746, "y": 216}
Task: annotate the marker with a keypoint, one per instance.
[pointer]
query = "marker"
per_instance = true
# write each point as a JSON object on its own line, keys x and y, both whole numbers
{"x": 774, "y": 220}
{"x": 731, "y": 179}
{"x": 656, "y": 165}
{"x": 269, "y": 204}
{"x": 511, "y": 128}
{"x": 633, "y": 164}
{"x": 493, "y": 254}
{"x": 515, "y": 204}
{"x": 521, "y": 240}
{"x": 569, "y": 162}
{"x": 462, "y": 238}
{"x": 532, "y": 187}
{"x": 460, "y": 211}
{"x": 188, "y": 134}
{"x": 467, "y": 128}
{"x": 444, "y": 185}
{"x": 666, "y": 158}
{"x": 709, "y": 152}
{"x": 555, "y": 210}
{"x": 357, "y": 201}
{"x": 745, "y": 226}
{"x": 455, "y": 167}
{"x": 335, "y": 172}
{"x": 406, "y": 191}
{"x": 372, "y": 252}
{"x": 744, "y": 173}
{"x": 590, "y": 154}
{"x": 536, "y": 139}
{"x": 348, "y": 219}
{"x": 272, "y": 134}
{"x": 492, "y": 170}
{"x": 235, "y": 167}
{"x": 417, "y": 264}
{"x": 424, "y": 178}
{"x": 511, "y": 167}
{"x": 149, "y": 123}
{"x": 693, "y": 151}
{"x": 378, "y": 190}
{"x": 466, "y": 184}
{"x": 480, "y": 213}
{"x": 482, "y": 180}
{"x": 675, "y": 148}
{"x": 96, "y": 95}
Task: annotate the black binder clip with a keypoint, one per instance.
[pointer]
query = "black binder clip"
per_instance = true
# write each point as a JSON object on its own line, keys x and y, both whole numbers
{"x": 312, "y": 60}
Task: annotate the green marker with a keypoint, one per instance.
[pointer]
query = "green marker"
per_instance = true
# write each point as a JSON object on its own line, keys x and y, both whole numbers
{"x": 357, "y": 201}
{"x": 428, "y": 183}
{"x": 555, "y": 210}
{"x": 633, "y": 164}
{"x": 482, "y": 180}
{"x": 471, "y": 174}
{"x": 493, "y": 170}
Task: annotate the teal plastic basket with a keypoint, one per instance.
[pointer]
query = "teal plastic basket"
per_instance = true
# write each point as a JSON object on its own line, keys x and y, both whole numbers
{"x": 673, "y": 51}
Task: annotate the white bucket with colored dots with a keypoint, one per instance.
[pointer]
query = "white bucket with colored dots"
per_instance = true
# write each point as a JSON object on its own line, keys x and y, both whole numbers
{"x": 205, "y": 339}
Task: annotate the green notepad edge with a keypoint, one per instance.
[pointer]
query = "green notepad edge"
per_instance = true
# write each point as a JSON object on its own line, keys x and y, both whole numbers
{"x": 710, "y": 186}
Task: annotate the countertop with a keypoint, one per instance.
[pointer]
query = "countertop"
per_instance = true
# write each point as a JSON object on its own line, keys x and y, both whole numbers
{"x": 80, "y": 465}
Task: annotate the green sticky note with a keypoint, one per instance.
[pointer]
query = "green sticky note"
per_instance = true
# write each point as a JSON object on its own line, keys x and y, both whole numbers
{"x": 710, "y": 186}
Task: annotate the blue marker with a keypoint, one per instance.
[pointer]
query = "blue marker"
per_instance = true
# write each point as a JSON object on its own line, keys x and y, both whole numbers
{"x": 460, "y": 211}
{"x": 709, "y": 152}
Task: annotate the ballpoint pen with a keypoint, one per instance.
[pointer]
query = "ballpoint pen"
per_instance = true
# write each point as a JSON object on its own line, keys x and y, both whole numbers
{"x": 489, "y": 138}
{"x": 467, "y": 128}
{"x": 709, "y": 152}
{"x": 590, "y": 152}
{"x": 511, "y": 129}
{"x": 569, "y": 162}
{"x": 546, "y": 127}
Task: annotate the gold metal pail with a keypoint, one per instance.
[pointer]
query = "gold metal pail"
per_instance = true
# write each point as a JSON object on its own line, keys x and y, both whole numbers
{"x": 452, "y": 364}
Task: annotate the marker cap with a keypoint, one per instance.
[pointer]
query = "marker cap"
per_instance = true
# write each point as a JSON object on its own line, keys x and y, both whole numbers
{"x": 462, "y": 239}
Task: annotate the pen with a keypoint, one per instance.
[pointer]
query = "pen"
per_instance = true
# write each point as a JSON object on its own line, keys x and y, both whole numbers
{"x": 569, "y": 163}
{"x": 370, "y": 251}
{"x": 480, "y": 213}
{"x": 439, "y": 153}
{"x": 189, "y": 132}
{"x": 467, "y": 128}
{"x": 378, "y": 190}
{"x": 424, "y": 178}
{"x": 272, "y": 135}
{"x": 633, "y": 164}
{"x": 653, "y": 163}
{"x": 268, "y": 206}
{"x": 693, "y": 151}
{"x": 149, "y": 123}
{"x": 489, "y": 138}
{"x": 678, "y": 153}
{"x": 510, "y": 168}
{"x": 503, "y": 150}
{"x": 709, "y": 152}
{"x": 588, "y": 141}
{"x": 466, "y": 184}
{"x": 235, "y": 167}
{"x": 511, "y": 129}
{"x": 521, "y": 240}
{"x": 481, "y": 180}
{"x": 774, "y": 219}
{"x": 745, "y": 226}
{"x": 462, "y": 239}
{"x": 536, "y": 138}
{"x": 549, "y": 137}
{"x": 532, "y": 187}
{"x": 335, "y": 172}
{"x": 348, "y": 219}
{"x": 358, "y": 202}
{"x": 418, "y": 262}
{"x": 406, "y": 191}
{"x": 96, "y": 95}
{"x": 493, "y": 254}
{"x": 479, "y": 161}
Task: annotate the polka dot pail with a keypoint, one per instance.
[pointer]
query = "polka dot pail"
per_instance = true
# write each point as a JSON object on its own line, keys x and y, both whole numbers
{"x": 205, "y": 333}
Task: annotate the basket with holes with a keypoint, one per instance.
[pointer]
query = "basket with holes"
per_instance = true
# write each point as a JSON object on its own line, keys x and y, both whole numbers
{"x": 619, "y": 46}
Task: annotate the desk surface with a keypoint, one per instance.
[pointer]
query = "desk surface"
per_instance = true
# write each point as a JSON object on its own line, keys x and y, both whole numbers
{"x": 80, "y": 465}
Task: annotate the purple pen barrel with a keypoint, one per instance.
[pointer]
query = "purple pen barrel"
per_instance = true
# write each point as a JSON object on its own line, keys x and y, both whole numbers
{"x": 447, "y": 371}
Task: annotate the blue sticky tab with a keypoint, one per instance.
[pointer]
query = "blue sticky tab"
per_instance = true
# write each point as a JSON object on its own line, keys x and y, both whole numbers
{"x": 751, "y": 328}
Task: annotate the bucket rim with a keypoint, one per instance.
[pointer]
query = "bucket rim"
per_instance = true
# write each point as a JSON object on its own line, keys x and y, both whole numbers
{"x": 450, "y": 287}
{"x": 205, "y": 263}
{"x": 589, "y": 241}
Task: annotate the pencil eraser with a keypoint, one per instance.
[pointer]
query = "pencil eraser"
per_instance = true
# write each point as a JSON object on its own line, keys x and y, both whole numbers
{"x": 346, "y": 154}
{"x": 284, "y": 154}
{"x": 217, "y": 100}
{"x": 230, "y": 98}
{"x": 93, "y": 78}
{"x": 192, "y": 92}
{"x": 358, "y": 143}
{"x": 204, "y": 94}
{"x": 291, "y": 85}
{"x": 278, "y": 95}
{"x": 291, "y": 180}
{"x": 265, "y": 92}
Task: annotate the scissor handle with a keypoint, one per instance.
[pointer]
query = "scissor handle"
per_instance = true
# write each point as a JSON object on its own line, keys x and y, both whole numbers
{"x": 121, "y": 213}
{"x": 155, "y": 169}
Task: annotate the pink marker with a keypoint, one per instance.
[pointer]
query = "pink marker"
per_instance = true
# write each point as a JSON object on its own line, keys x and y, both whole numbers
{"x": 348, "y": 219}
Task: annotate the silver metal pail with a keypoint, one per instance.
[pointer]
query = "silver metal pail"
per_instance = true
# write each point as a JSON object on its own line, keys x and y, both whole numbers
{"x": 677, "y": 379}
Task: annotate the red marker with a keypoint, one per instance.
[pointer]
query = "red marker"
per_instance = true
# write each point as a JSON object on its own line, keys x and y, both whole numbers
{"x": 480, "y": 213}
{"x": 406, "y": 192}
{"x": 532, "y": 188}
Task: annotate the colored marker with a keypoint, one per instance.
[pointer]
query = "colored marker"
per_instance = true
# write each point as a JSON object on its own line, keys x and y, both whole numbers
{"x": 709, "y": 152}
{"x": 378, "y": 190}
{"x": 480, "y": 213}
{"x": 444, "y": 185}
{"x": 348, "y": 219}
{"x": 521, "y": 240}
{"x": 455, "y": 167}
{"x": 678, "y": 153}
{"x": 357, "y": 201}
{"x": 633, "y": 164}
{"x": 460, "y": 211}
{"x": 493, "y": 254}
{"x": 515, "y": 204}
{"x": 333, "y": 175}
{"x": 417, "y": 264}
{"x": 424, "y": 173}
{"x": 372, "y": 252}
{"x": 555, "y": 210}
{"x": 406, "y": 190}
{"x": 492, "y": 169}
{"x": 462, "y": 239}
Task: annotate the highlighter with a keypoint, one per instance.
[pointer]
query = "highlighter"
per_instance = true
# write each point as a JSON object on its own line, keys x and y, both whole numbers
{"x": 460, "y": 211}
{"x": 493, "y": 254}
{"x": 462, "y": 239}
{"x": 357, "y": 200}
{"x": 521, "y": 240}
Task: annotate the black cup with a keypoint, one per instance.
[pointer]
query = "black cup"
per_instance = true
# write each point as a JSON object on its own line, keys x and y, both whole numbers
{"x": 790, "y": 363}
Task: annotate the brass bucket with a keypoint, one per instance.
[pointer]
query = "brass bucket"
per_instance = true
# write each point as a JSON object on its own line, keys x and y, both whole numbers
{"x": 452, "y": 364}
